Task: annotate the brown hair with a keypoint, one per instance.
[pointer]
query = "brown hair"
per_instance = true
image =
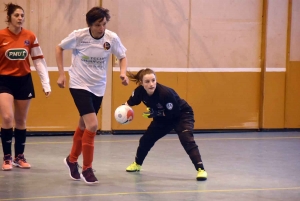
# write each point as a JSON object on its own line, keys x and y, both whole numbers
{"x": 138, "y": 77}
{"x": 10, "y": 8}
{"x": 95, "y": 14}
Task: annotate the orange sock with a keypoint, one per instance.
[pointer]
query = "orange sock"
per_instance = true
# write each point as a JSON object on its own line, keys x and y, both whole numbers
{"x": 76, "y": 147}
{"x": 88, "y": 148}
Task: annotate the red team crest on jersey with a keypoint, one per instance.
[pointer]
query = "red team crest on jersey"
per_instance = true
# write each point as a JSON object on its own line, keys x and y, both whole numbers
{"x": 106, "y": 46}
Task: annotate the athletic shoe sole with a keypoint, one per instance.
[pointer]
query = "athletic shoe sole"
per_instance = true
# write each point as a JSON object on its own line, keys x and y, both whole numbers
{"x": 90, "y": 183}
{"x": 19, "y": 166}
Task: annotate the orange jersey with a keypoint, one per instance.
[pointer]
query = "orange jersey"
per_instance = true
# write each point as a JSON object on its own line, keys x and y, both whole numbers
{"x": 15, "y": 51}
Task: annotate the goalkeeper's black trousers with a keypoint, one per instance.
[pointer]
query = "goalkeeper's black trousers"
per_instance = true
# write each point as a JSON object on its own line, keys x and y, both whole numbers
{"x": 183, "y": 126}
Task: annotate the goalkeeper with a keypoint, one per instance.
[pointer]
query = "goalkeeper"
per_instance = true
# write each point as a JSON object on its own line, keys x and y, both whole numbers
{"x": 169, "y": 112}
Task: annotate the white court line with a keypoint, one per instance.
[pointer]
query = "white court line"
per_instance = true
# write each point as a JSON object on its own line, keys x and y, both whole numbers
{"x": 170, "y": 69}
{"x": 157, "y": 69}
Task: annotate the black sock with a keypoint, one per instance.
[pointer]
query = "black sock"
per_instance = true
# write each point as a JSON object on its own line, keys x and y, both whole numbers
{"x": 6, "y": 138}
{"x": 199, "y": 165}
{"x": 20, "y": 139}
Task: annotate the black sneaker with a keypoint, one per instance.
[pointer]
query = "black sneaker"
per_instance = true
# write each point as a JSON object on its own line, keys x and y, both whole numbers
{"x": 88, "y": 176}
{"x": 73, "y": 169}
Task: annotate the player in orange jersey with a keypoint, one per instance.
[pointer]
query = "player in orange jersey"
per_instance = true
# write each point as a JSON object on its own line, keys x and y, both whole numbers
{"x": 16, "y": 86}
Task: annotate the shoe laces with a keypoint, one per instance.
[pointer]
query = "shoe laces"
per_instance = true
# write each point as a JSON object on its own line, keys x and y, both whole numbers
{"x": 7, "y": 162}
{"x": 77, "y": 165}
{"x": 90, "y": 172}
{"x": 74, "y": 167}
{"x": 7, "y": 159}
{"x": 21, "y": 158}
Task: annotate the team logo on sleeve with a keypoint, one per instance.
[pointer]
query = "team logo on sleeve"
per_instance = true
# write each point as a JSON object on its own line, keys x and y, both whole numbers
{"x": 169, "y": 106}
{"x": 16, "y": 54}
{"x": 106, "y": 46}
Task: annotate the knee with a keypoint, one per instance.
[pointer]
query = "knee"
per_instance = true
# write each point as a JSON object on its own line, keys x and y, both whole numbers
{"x": 20, "y": 123}
{"x": 93, "y": 127}
{"x": 7, "y": 120}
{"x": 90, "y": 122}
{"x": 81, "y": 125}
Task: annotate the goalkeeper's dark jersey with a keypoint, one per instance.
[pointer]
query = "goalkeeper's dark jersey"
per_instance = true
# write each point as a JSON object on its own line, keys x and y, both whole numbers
{"x": 164, "y": 99}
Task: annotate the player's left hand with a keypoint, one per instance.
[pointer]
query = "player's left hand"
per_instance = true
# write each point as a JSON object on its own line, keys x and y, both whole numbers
{"x": 47, "y": 94}
{"x": 125, "y": 80}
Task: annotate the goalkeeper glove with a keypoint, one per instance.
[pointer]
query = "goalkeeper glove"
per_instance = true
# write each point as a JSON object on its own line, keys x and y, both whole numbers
{"x": 153, "y": 113}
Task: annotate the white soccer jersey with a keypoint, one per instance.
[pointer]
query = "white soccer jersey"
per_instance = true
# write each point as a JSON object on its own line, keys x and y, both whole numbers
{"x": 90, "y": 58}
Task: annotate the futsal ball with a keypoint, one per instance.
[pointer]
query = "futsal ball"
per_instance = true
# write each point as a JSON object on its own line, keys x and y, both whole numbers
{"x": 124, "y": 114}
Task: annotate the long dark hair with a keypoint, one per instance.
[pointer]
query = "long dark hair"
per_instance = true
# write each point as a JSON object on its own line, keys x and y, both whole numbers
{"x": 138, "y": 77}
{"x": 10, "y": 9}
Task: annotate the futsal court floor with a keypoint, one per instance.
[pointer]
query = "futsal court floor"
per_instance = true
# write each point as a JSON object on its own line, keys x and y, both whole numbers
{"x": 250, "y": 166}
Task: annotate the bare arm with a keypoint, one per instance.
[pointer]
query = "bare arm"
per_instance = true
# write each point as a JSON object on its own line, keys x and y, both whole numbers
{"x": 59, "y": 61}
{"x": 123, "y": 69}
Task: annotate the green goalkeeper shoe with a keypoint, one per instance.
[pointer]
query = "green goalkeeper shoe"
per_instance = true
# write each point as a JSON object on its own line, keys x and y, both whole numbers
{"x": 133, "y": 167}
{"x": 202, "y": 175}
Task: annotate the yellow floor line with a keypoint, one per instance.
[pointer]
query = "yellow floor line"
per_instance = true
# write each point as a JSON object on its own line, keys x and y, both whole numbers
{"x": 157, "y": 192}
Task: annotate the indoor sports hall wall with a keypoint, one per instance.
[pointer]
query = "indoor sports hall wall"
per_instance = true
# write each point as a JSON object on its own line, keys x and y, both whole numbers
{"x": 231, "y": 60}
{"x": 236, "y": 62}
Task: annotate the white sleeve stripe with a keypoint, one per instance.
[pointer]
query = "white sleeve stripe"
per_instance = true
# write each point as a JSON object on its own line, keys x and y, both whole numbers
{"x": 35, "y": 41}
{"x": 36, "y": 51}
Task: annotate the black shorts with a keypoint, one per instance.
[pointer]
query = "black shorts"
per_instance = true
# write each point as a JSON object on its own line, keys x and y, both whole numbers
{"x": 20, "y": 87}
{"x": 85, "y": 101}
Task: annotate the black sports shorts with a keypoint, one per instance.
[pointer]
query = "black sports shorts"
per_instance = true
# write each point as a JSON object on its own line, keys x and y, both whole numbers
{"x": 85, "y": 101}
{"x": 20, "y": 87}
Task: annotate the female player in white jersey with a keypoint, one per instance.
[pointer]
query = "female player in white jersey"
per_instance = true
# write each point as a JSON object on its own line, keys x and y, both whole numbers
{"x": 91, "y": 48}
{"x": 169, "y": 112}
